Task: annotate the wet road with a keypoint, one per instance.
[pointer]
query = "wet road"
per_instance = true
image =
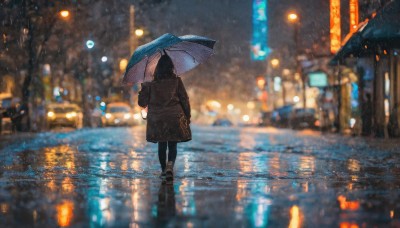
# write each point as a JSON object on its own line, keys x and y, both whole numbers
{"x": 225, "y": 177}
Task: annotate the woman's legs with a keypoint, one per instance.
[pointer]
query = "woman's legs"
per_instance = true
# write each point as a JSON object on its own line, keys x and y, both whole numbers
{"x": 172, "y": 151}
{"x": 162, "y": 154}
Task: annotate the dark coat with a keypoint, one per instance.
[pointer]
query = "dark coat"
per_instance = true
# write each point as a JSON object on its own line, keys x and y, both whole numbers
{"x": 168, "y": 115}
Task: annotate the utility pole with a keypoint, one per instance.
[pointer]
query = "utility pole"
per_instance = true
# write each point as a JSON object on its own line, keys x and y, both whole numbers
{"x": 132, "y": 29}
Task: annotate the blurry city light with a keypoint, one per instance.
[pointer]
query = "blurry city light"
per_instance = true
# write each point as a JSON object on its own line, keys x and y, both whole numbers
{"x": 139, "y": 32}
{"x": 335, "y": 28}
{"x": 108, "y": 115}
{"x": 292, "y": 17}
{"x": 64, "y": 13}
{"x": 295, "y": 219}
{"x": 251, "y": 105}
{"x": 136, "y": 116}
{"x": 230, "y": 107}
{"x": 104, "y": 59}
{"x": 275, "y": 62}
{"x": 127, "y": 116}
{"x": 68, "y": 115}
{"x": 50, "y": 114}
{"x": 246, "y": 118}
{"x": 352, "y": 122}
{"x": 214, "y": 104}
{"x": 98, "y": 98}
{"x": 260, "y": 82}
{"x": 90, "y": 44}
{"x": 353, "y": 15}
{"x": 102, "y": 103}
{"x": 277, "y": 83}
{"x": 296, "y": 99}
{"x": 123, "y": 64}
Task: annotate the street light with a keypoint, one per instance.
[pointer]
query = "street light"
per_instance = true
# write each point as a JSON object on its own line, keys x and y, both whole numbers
{"x": 123, "y": 64}
{"x": 104, "y": 59}
{"x": 139, "y": 32}
{"x": 294, "y": 19}
{"x": 64, "y": 13}
{"x": 275, "y": 63}
{"x": 90, "y": 44}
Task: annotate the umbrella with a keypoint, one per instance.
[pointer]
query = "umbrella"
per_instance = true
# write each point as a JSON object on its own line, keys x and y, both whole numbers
{"x": 186, "y": 52}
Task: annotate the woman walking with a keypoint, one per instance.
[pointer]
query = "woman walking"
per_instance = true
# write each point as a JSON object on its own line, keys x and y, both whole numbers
{"x": 168, "y": 115}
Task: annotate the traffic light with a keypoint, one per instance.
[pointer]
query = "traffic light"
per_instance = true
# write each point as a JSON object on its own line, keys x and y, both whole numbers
{"x": 260, "y": 82}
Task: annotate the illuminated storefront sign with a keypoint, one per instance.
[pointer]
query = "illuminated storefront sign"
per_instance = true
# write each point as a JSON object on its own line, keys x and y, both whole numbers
{"x": 353, "y": 15}
{"x": 335, "y": 25}
{"x": 259, "y": 46}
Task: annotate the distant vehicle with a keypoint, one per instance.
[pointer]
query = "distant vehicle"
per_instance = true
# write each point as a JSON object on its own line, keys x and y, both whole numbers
{"x": 266, "y": 119}
{"x": 64, "y": 115}
{"x": 222, "y": 122}
{"x": 304, "y": 118}
{"x": 281, "y": 116}
{"x": 120, "y": 114}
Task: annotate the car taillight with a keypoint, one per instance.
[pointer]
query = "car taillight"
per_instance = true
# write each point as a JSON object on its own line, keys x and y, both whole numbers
{"x": 316, "y": 123}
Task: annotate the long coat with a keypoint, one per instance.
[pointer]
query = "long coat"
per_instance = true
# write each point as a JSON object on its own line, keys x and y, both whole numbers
{"x": 168, "y": 115}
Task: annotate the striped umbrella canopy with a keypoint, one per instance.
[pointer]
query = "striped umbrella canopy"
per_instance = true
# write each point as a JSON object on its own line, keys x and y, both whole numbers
{"x": 186, "y": 52}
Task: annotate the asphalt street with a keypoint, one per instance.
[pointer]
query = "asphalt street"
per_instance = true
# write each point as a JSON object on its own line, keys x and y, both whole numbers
{"x": 224, "y": 177}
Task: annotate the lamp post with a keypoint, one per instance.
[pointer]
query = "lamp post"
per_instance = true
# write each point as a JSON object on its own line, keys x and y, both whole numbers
{"x": 294, "y": 19}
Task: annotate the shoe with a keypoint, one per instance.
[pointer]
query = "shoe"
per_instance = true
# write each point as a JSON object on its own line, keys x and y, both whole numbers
{"x": 169, "y": 171}
{"x": 162, "y": 174}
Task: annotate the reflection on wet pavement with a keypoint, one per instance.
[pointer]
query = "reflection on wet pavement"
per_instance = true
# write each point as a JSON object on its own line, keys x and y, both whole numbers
{"x": 225, "y": 177}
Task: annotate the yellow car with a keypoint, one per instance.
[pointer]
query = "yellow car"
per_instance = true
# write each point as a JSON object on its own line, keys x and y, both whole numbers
{"x": 64, "y": 115}
{"x": 119, "y": 114}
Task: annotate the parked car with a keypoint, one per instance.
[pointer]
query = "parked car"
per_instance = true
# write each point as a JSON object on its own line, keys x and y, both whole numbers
{"x": 64, "y": 114}
{"x": 304, "y": 118}
{"x": 222, "y": 122}
{"x": 266, "y": 119}
{"x": 120, "y": 114}
{"x": 281, "y": 116}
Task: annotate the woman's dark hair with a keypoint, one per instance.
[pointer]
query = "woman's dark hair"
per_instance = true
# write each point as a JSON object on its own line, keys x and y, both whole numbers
{"x": 164, "y": 68}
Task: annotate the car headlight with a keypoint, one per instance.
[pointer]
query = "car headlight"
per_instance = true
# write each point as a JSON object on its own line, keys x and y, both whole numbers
{"x": 108, "y": 115}
{"x": 137, "y": 116}
{"x": 50, "y": 114}
{"x": 73, "y": 114}
{"x": 127, "y": 116}
{"x": 69, "y": 115}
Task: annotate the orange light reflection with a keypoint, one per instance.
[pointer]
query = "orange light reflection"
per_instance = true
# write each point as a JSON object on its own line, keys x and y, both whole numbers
{"x": 295, "y": 217}
{"x": 348, "y": 205}
{"x": 64, "y": 213}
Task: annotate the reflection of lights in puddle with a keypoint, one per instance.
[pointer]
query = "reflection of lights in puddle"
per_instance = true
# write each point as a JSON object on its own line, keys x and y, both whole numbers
{"x": 348, "y": 225}
{"x": 34, "y": 215}
{"x": 188, "y": 206}
{"x": 354, "y": 165}
{"x": 67, "y": 185}
{"x": 295, "y": 217}
{"x": 64, "y": 213}
{"x": 4, "y": 208}
{"x": 103, "y": 165}
{"x": 124, "y": 165}
{"x": 306, "y": 163}
{"x": 348, "y": 205}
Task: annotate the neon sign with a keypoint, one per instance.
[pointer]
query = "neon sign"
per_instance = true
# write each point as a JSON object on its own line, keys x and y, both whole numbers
{"x": 335, "y": 25}
{"x": 353, "y": 15}
{"x": 259, "y": 46}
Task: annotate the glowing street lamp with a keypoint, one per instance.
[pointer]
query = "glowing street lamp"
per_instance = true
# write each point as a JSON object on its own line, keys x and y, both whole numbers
{"x": 123, "y": 64}
{"x": 64, "y": 13}
{"x": 275, "y": 62}
{"x": 90, "y": 44}
{"x": 292, "y": 17}
{"x": 104, "y": 59}
{"x": 139, "y": 32}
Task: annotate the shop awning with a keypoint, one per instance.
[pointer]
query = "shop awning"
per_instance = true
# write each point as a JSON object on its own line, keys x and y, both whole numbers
{"x": 382, "y": 30}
